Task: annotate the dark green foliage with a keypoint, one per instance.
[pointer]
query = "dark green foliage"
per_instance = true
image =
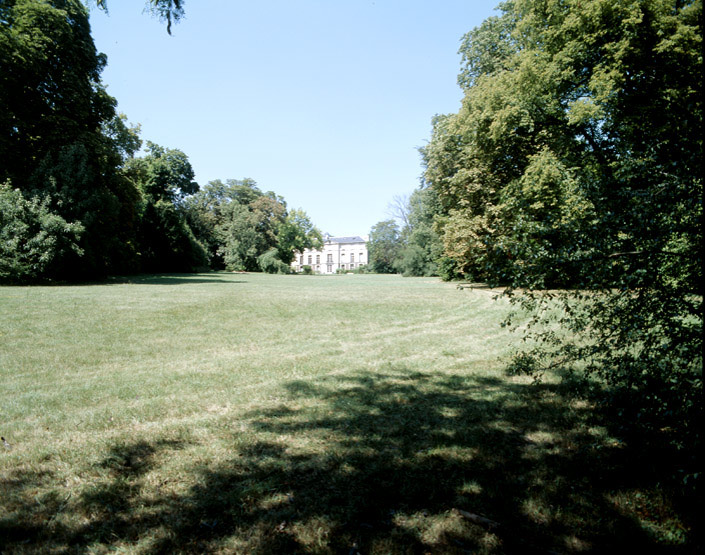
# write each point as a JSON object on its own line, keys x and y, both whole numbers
{"x": 52, "y": 122}
{"x": 295, "y": 234}
{"x": 575, "y": 162}
{"x": 416, "y": 248}
{"x": 247, "y": 231}
{"x": 383, "y": 247}
{"x": 239, "y": 224}
{"x": 270, "y": 263}
{"x": 34, "y": 241}
{"x": 166, "y": 242}
{"x": 164, "y": 178}
{"x": 163, "y": 174}
{"x": 422, "y": 244}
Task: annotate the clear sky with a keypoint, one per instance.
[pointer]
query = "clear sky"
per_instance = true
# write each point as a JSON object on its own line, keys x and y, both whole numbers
{"x": 324, "y": 102}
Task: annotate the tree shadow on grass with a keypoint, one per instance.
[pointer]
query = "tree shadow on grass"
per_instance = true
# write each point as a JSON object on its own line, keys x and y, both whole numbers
{"x": 392, "y": 462}
{"x": 175, "y": 279}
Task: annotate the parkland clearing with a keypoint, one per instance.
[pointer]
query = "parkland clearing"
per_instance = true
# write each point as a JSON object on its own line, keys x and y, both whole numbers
{"x": 256, "y": 413}
{"x": 511, "y": 363}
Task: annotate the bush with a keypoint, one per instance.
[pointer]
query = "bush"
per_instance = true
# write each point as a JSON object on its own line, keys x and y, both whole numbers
{"x": 34, "y": 241}
{"x": 359, "y": 270}
{"x": 270, "y": 263}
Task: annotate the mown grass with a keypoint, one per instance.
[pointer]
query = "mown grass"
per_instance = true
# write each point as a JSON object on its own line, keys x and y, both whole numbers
{"x": 245, "y": 413}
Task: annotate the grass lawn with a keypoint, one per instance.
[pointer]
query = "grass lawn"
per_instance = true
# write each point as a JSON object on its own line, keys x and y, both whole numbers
{"x": 248, "y": 413}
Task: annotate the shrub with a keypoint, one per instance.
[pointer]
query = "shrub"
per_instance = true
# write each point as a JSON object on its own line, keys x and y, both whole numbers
{"x": 34, "y": 241}
{"x": 270, "y": 263}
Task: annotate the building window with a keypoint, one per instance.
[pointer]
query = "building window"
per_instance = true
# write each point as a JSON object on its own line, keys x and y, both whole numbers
{"x": 330, "y": 268}
{"x": 301, "y": 260}
{"x": 318, "y": 259}
{"x": 361, "y": 259}
{"x": 310, "y": 259}
{"x": 352, "y": 257}
{"x": 330, "y": 258}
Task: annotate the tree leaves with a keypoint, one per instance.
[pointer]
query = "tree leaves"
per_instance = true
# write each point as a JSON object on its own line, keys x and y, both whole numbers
{"x": 576, "y": 162}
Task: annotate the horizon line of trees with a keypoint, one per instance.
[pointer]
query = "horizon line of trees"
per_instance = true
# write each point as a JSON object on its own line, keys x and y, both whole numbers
{"x": 77, "y": 204}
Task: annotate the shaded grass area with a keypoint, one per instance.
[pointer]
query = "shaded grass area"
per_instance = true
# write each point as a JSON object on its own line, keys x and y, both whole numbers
{"x": 379, "y": 443}
{"x": 371, "y": 463}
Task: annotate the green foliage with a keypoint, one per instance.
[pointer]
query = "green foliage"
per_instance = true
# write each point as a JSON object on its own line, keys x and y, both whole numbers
{"x": 383, "y": 247}
{"x": 416, "y": 248}
{"x": 34, "y": 241}
{"x": 168, "y": 11}
{"x": 205, "y": 211}
{"x": 270, "y": 263}
{"x": 248, "y": 231}
{"x": 164, "y": 178}
{"x": 163, "y": 174}
{"x": 240, "y": 225}
{"x": 295, "y": 234}
{"x": 49, "y": 84}
{"x": 126, "y": 139}
{"x": 422, "y": 244}
{"x": 59, "y": 138}
{"x": 575, "y": 162}
{"x": 167, "y": 243}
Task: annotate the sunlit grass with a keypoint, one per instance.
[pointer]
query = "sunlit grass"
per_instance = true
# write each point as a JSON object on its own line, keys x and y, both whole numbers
{"x": 253, "y": 413}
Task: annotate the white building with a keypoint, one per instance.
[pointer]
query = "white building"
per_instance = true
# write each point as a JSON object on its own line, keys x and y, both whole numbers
{"x": 344, "y": 253}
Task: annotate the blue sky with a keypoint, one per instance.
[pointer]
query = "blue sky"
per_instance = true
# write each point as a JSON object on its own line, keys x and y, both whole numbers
{"x": 322, "y": 102}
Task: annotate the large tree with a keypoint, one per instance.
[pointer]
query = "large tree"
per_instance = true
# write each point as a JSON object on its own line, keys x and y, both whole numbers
{"x": 384, "y": 247}
{"x": 295, "y": 234}
{"x": 54, "y": 142}
{"x": 576, "y": 161}
{"x": 164, "y": 177}
{"x": 422, "y": 250}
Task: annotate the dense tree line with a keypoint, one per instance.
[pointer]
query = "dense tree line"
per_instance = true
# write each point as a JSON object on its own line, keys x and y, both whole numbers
{"x": 408, "y": 243}
{"x": 75, "y": 201}
{"x": 572, "y": 175}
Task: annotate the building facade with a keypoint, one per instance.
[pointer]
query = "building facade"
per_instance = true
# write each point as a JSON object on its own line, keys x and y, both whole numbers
{"x": 338, "y": 253}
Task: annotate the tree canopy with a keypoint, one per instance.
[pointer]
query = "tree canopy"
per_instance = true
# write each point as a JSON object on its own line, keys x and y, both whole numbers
{"x": 383, "y": 247}
{"x": 81, "y": 199}
{"x": 54, "y": 143}
{"x": 575, "y": 162}
{"x": 239, "y": 223}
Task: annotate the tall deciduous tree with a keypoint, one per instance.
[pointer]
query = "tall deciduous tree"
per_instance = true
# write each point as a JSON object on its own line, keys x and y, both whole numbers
{"x": 164, "y": 177}
{"x": 295, "y": 234}
{"x": 576, "y": 160}
{"x": 163, "y": 174}
{"x": 52, "y": 121}
{"x": 384, "y": 246}
{"x": 422, "y": 252}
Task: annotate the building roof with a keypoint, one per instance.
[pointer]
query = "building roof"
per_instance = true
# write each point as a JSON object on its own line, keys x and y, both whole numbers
{"x": 352, "y": 239}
